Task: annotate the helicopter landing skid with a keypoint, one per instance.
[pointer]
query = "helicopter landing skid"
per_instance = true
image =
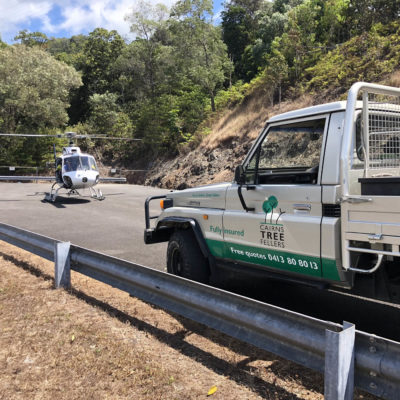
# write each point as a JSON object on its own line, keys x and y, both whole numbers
{"x": 53, "y": 193}
{"x": 96, "y": 194}
{"x": 52, "y": 196}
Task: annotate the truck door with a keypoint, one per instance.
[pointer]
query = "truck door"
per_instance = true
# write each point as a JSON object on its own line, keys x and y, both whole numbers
{"x": 273, "y": 220}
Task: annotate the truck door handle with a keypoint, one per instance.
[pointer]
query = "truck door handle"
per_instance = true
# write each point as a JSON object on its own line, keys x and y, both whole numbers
{"x": 356, "y": 199}
{"x": 302, "y": 207}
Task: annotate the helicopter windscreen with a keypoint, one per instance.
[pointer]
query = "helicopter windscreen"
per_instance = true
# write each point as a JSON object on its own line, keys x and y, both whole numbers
{"x": 79, "y": 163}
{"x": 88, "y": 163}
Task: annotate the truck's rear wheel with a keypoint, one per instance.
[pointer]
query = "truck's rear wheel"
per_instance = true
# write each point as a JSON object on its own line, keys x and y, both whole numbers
{"x": 184, "y": 257}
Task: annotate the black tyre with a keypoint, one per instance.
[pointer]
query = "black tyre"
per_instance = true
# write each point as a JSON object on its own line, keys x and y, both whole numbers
{"x": 184, "y": 257}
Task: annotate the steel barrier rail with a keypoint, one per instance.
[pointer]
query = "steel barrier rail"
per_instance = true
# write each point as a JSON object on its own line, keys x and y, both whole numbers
{"x": 40, "y": 245}
{"x": 25, "y": 178}
{"x": 47, "y": 178}
{"x": 293, "y": 336}
{"x": 269, "y": 327}
{"x": 116, "y": 180}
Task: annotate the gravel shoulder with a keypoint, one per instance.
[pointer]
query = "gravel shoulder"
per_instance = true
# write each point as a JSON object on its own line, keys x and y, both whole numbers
{"x": 96, "y": 342}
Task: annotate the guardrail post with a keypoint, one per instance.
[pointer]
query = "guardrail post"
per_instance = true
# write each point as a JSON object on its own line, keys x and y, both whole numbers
{"x": 339, "y": 363}
{"x": 62, "y": 272}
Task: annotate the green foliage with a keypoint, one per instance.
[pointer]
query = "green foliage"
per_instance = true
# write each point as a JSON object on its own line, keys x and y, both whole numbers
{"x": 158, "y": 123}
{"x": 366, "y": 57}
{"x": 34, "y": 95}
{"x": 332, "y": 26}
{"x": 32, "y": 39}
{"x": 361, "y": 15}
{"x": 2, "y": 44}
{"x": 69, "y": 51}
{"x": 191, "y": 105}
{"x": 24, "y": 151}
{"x": 232, "y": 96}
{"x": 101, "y": 50}
{"x": 104, "y": 113}
{"x": 166, "y": 75}
{"x": 277, "y": 68}
{"x": 201, "y": 52}
{"x": 237, "y": 32}
{"x": 34, "y": 89}
{"x": 166, "y": 122}
{"x": 182, "y": 68}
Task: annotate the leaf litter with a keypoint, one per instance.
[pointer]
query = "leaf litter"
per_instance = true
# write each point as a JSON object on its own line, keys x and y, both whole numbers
{"x": 97, "y": 342}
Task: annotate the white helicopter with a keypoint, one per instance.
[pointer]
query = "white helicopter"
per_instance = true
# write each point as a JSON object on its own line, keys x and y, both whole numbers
{"x": 73, "y": 169}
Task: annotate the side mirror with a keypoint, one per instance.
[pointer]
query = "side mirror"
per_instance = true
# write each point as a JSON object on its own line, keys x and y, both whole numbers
{"x": 240, "y": 178}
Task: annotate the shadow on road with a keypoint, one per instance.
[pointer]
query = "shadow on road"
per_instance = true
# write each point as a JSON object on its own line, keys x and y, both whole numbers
{"x": 62, "y": 201}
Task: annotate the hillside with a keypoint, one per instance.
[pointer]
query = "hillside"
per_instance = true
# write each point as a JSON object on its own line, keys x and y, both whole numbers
{"x": 370, "y": 57}
{"x": 231, "y": 137}
{"x": 155, "y": 88}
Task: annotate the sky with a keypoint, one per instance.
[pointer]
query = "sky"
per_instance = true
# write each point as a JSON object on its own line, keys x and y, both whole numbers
{"x": 65, "y": 18}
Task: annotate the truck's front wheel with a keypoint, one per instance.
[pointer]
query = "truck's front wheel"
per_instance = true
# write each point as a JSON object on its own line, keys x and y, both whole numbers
{"x": 184, "y": 257}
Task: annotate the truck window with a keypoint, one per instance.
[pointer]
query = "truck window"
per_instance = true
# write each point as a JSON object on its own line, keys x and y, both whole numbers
{"x": 289, "y": 153}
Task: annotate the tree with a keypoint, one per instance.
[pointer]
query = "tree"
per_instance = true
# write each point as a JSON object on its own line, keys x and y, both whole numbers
{"x": 362, "y": 14}
{"x": 199, "y": 45}
{"x": 70, "y": 51}
{"x": 2, "y": 44}
{"x": 240, "y": 23}
{"x": 146, "y": 20}
{"x": 253, "y": 59}
{"x": 283, "y": 6}
{"x": 277, "y": 68}
{"x": 34, "y": 89}
{"x": 236, "y": 33}
{"x": 271, "y": 26}
{"x": 333, "y": 28}
{"x": 32, "y": 39}
{"x": 106, "y": 116}
{"x": 101, "y": 49}
{"x": 299, "y": 42}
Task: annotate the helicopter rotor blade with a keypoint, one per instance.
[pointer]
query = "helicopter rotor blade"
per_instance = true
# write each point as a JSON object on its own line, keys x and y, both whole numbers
{"x": 29, "y": 135}
{"x": 107, "y": 137}
{"x": 59, "y": 136}
{"x": 69, "y": 135}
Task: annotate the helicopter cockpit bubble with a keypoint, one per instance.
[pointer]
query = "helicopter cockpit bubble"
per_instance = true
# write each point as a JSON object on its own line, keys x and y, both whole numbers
{"x": 79, "y": 163}
{"x": 87, "y": 163}
{"x": 71, "y": 164}
{"x": 92, "y": 163}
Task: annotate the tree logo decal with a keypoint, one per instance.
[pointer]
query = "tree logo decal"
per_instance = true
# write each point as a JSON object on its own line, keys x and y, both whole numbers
{"x": 269, "y": 206}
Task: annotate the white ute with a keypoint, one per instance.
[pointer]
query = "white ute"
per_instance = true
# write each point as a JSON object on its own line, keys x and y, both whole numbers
{"x": 316, "y": 200}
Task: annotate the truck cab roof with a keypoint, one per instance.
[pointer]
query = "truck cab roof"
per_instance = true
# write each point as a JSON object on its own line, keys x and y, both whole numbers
{"x": 308, "y": 111}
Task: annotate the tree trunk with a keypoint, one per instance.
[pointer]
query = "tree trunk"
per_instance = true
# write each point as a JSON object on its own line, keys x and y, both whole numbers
{"x": 280, "y": 94}
{"x": 212, "y": 98}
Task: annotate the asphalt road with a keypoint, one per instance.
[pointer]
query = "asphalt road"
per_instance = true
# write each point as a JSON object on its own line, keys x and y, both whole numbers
{"x": 113, "y": 226}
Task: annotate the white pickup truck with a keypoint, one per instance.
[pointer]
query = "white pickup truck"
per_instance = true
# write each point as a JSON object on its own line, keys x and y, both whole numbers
{"x": 316, "y": 200}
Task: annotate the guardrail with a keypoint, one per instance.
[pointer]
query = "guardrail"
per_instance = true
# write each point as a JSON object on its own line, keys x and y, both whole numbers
{"x": 41, "y": 178}
{"x": 347, "y": 357}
